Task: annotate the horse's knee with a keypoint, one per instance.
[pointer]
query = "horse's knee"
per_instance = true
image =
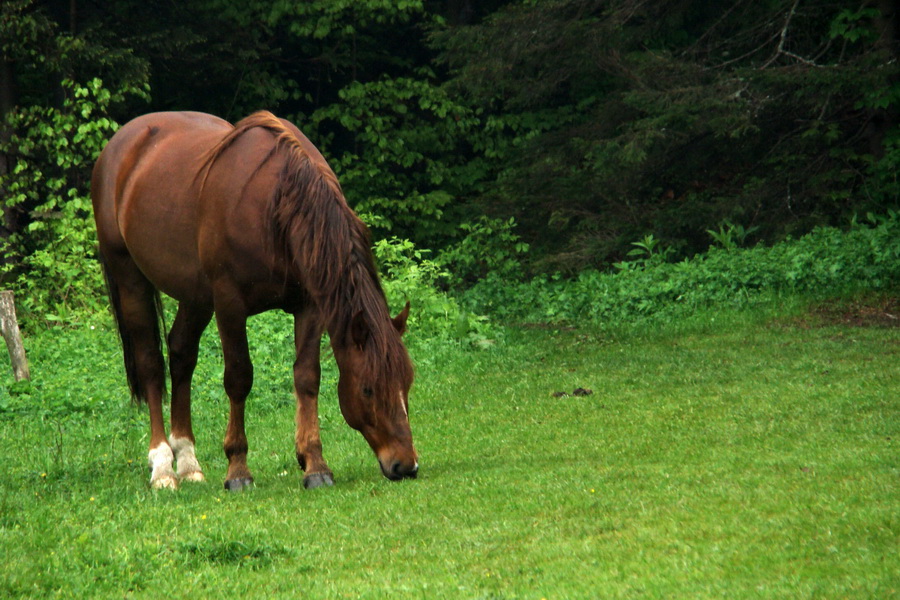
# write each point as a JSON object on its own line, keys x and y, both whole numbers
{"x": 306, "y": 378}
{"x": 306, "y": 387}
{"x": 238, "y": 381}
{"x": 181, "y": 363}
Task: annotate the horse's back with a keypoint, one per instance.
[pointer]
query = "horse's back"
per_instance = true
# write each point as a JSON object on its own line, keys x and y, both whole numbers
{"x": 168, "y": 145}
{"x": 145, "y": 195}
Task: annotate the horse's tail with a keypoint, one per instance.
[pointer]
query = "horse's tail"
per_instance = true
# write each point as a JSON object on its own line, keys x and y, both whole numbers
{"x": 135, "y": 385}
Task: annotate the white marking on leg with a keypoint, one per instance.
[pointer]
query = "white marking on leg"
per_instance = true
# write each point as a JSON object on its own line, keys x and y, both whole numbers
{"x": 162, "y": 475}
{"x": 188, "y": 467}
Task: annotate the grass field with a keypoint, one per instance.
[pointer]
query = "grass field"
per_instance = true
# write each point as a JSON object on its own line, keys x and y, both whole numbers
{"x": 735, "y": 455}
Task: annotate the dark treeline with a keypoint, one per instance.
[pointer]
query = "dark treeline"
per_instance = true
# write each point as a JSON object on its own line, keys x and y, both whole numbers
{"x": 591, "y": 123}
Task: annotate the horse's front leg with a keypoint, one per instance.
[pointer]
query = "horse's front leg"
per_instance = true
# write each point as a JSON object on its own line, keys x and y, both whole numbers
{"x": 232, "y": 326}
{"x": 307, "y": 373}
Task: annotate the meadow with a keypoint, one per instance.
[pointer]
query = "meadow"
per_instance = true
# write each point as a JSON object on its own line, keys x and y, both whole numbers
{"x": 746, "y": 454}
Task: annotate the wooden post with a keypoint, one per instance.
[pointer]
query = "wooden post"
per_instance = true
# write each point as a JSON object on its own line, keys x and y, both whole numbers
{"x": 9, "y": 327}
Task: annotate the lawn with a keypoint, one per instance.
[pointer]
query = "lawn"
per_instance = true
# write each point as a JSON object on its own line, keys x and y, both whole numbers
{"x": 748, "y": 455}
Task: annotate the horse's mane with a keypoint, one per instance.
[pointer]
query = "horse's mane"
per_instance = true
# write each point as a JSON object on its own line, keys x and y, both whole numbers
{"x": 329, "y": 245}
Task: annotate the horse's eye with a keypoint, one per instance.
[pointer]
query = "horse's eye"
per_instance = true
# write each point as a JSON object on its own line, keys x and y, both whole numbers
{"x": 367, "y": 391}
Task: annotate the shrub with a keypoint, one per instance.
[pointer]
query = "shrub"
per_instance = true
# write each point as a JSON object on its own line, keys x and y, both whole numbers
{"x": 51, "y": 262}
{"x": 489, "y": 246}
{"x": 410, "y": 275}
{"x": 825, "y": 262}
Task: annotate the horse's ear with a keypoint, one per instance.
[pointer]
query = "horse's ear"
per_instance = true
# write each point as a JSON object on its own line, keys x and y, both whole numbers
{"x": 359, "y": 330}
{"x": 400, "y": 320}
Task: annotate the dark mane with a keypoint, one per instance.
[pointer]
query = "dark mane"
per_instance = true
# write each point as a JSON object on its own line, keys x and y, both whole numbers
{"x": 329, "y": 246}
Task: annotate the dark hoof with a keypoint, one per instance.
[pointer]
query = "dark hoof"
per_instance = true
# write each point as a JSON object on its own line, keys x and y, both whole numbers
{"x": 314, "y": 480}
{"x": 239, "y": 484}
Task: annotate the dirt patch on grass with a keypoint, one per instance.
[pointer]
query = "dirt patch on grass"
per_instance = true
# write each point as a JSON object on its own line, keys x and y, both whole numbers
{"x": 860, "y": 312}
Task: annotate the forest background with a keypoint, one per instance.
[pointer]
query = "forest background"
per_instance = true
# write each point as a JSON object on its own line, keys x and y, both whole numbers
{"x": 497, "y": 140}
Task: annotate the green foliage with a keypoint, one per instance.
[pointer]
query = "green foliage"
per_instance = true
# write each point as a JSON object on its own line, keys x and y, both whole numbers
{"x": 884, "y": 172}
{"x": 854, "y": 26}
{"x": 295, "y": 57}
{"x": 41, "y": 53}
{"x": 647, "y": 251}
{"x": 408, "y": 166}
{"x": 682, "y": 116}
{"x": 55, "y": 269}
{"x": 488, "y": 246}
{"x": 585, "y": 124}
{"x": 23, "y": 33}
{"x": 59, "y": 120}
{"x": 320, "y": 19}
{"x": 410, "y": 275}
{"x": 825, "y": 262}
{"x": 731, "y": 236}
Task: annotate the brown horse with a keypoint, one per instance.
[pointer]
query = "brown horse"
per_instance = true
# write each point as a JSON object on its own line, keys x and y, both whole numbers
{"x": 234, "y": 221}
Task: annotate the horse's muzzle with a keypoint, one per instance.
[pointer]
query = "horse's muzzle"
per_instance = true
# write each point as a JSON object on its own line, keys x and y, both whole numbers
{"x": 398, "y": 470}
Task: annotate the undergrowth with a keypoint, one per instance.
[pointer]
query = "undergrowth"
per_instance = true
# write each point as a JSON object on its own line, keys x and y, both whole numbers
{"x": 826, "y": 262}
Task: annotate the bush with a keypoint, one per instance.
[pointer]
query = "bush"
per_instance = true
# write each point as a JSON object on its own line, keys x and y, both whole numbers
{"x": 825, "y": 262}
{"x": 51, "y": 263}
{"x": 489, "y": 246}
{"x": 409, "y": 165}
{"x": 410, "y": 275}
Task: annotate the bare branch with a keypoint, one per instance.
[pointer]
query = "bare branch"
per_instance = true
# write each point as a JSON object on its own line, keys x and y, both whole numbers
{"x": 782, "y": 38}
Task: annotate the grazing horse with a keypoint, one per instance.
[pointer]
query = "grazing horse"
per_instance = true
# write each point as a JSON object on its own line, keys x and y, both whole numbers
{"x": 232, "y": 221}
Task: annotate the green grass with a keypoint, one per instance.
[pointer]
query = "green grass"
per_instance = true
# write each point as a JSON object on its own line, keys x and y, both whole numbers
{"x": 744, "y": 455}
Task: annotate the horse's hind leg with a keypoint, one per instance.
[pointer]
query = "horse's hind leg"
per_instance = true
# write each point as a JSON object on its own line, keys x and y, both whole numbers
{"x": 232, "y": 324}
{"x": 135, "y": 303}
{"x": 184, "y": 341}
{"x": 307, "y": 373}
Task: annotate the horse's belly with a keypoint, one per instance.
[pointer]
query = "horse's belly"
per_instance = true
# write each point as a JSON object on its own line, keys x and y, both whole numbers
{"x": 170, "y": 263}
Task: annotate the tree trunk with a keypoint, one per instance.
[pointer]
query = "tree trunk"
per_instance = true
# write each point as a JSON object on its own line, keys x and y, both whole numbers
{"x": 887, "y": 25}
{"x": 73, "y": 17}
{"x": 459, "y": 12}
{"x": 8, "y": 223}
{"x": 9, "y": 328}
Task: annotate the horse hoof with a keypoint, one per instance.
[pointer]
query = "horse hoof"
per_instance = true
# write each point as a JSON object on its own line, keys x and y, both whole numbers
{"x": 165, "y": 482}
{"x": 192, "y": 476}
{"x": 239, "y": 484}
{"x": 314, "y": 480}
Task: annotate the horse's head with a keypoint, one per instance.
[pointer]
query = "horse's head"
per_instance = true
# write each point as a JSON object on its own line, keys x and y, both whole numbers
{"x": 375, "y": 377}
